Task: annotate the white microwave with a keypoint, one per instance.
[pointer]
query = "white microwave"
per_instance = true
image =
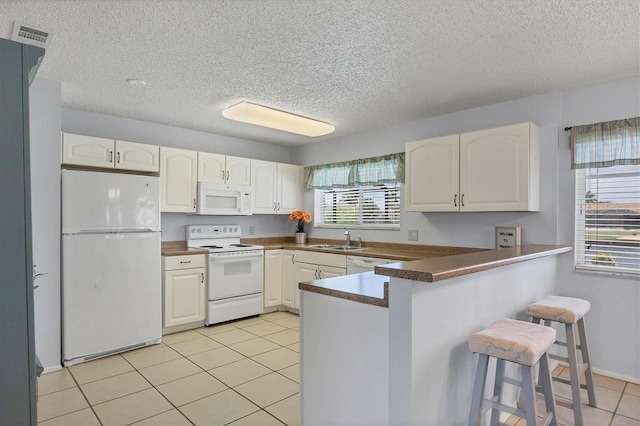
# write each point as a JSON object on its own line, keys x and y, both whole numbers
{"x": 222, "y": 199}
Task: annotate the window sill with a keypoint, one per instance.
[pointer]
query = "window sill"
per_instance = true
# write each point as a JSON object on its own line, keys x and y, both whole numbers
{"x": 623, "y": 273}
{"x": 356, "y": 227}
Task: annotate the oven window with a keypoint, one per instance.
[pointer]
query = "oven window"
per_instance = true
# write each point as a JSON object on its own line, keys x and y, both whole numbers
{"x": 237, "y": 268}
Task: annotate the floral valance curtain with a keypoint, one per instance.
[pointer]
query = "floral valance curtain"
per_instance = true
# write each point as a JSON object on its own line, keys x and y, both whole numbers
{"x": 606, "y": 144}
{"x": 361, "y": 172}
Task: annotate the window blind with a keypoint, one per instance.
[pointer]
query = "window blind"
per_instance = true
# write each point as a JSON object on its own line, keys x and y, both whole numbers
{"x": 373, "y": 207}
{"x": 608, "y": 219}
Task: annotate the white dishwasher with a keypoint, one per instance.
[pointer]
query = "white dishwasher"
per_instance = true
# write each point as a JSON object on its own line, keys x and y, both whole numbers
{"x": 358, "y": 264}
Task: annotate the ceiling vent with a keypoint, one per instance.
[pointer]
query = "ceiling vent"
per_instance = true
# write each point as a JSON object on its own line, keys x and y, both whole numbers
{"x": 27, "y": 34}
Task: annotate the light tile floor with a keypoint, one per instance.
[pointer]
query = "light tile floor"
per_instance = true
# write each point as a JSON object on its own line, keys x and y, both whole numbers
{"x": 618, "y": 403}
{"x": 241, "y": 373}
{"x": 244, "y": 372}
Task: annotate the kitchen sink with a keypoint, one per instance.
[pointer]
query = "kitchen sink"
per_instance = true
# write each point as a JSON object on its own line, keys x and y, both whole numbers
{"x": 335, "y": 247}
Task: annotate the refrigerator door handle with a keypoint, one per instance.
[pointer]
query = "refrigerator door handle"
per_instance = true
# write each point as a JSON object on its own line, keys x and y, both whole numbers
{"x": 111, "y": 231}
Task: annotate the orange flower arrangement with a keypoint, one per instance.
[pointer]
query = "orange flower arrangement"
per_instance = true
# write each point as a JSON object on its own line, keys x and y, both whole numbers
{"x": 302, "y": 217}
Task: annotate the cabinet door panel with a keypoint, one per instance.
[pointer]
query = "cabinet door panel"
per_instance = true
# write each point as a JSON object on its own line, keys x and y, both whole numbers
{"x": 238, "y": 171}
{"x": 178, "y": 173}
{"x": 303, "y": 272}
{"x": 211, "y": 167}
{"x": 494, "y": 169}
{"x": 272, "y": 278}
{"x": 184, "y": 296}
{"x": 87, "y": 150}
{"x": 330, "y": 272}
{"x": 263, "y": 184}
{"x": 289, "y": 188}
{"x": 432, "y": 169}
{"x": 137, "y": 156}
{"x": 289, "y": 283}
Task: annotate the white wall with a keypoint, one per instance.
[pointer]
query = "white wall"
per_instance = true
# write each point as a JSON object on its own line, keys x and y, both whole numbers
{"x": 92, "y": 124}
{"x": 614, "y": 321}
{"x": 44, "y": 110}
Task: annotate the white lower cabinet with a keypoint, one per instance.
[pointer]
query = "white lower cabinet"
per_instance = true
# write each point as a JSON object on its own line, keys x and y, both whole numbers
{"x": 289, "y": 284}
{"x": 272, "y": 290}
{"x": 284, "y": 269}
{"x": 310, "y": 266}
{"x": 184, "y": 289}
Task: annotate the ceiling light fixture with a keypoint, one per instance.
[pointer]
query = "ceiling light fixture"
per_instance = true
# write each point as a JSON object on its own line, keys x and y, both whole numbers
{"x": 275, "y": 119}
{"x": 136, "y": 82}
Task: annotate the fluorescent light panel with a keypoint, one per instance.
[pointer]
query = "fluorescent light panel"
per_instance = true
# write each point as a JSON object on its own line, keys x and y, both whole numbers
{"x": 272, "y": 118}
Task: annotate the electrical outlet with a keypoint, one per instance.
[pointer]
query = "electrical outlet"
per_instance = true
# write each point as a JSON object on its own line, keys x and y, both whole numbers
{"x": 413, "y": 235}
{"x": 252, "y": 230}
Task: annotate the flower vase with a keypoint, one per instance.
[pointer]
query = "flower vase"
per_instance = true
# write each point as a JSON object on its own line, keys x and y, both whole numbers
{"x": 301, "y": 237}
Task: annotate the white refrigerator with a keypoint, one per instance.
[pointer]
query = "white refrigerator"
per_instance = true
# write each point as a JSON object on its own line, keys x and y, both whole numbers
{"x": 111, "y": 272}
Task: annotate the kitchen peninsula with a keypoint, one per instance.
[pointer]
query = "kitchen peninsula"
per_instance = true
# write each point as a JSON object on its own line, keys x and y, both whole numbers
{"x": 391, "y": 347}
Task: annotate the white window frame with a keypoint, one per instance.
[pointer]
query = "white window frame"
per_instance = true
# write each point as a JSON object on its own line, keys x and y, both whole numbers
{"x": 319, "y": 194}
{"x": 614, "y": 223}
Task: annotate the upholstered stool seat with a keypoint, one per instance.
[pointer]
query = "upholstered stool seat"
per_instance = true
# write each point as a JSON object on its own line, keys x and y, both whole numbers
{"x": 571, "y": 312}
{"x": 522, "y": 343}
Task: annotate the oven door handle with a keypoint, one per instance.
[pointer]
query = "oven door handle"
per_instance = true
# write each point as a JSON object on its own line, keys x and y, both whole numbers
{"x": 240, "y": 255}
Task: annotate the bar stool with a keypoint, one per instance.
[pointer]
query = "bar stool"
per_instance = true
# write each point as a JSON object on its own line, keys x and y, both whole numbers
{"x": 571, "y": 312}
{"x": 523, "y": 343}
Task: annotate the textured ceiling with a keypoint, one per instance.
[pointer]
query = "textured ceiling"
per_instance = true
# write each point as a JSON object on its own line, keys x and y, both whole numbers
{"x": 359, "y": 65}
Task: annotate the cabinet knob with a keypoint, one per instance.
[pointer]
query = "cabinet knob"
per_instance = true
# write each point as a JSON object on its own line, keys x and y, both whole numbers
{"x": 202, "y": 275}
{"x": 462, "y": 200}
{"x": 185, "y": 261}
{"x": 111, "y": 156}
{"x": 118, "y": 157}
{"x": 455, "y": 200}
{"x": 227, "y": 174}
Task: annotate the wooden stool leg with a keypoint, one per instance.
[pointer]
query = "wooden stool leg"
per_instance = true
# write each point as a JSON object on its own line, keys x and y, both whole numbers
{"x": 547, "y": 386}
{"x": 529, "y": 392}
{"x": 573, "y": 369}
{"x": 584, "y": 345}
{"x": 497, "y": 390}
{"x": 478, "y": 390}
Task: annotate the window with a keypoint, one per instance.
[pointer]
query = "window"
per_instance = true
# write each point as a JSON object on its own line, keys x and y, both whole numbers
{"x": 364, "y": 207}
{"x": 608, "y": 219}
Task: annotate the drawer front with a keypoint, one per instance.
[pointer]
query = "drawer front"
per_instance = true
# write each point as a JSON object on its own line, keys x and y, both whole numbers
{"x": 328, "y": 259}
{"x": 184, "y": 262}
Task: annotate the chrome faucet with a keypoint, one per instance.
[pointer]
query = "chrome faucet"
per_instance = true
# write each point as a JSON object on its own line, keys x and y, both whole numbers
{"x": 359, "y": 242}
{"x": 348, "y": 235}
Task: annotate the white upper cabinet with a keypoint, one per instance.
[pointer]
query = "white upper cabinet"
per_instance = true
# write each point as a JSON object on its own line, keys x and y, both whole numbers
{"x": 227, "y": 169}
{"x": 500, "y": 169}
{"x": 433, "y": 174}
{"x": 488, "y": 170}
{"x": 276, "y": 187}
{"x": 108, "y": 153}
{"x": 178, "y": 180}
{"x": 289, "y": 188}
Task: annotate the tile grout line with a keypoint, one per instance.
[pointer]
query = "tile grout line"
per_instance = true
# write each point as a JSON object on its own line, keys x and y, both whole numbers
{"x": 202, "y": 370}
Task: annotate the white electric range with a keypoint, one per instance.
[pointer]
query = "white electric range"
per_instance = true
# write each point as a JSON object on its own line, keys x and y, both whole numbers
{"x": 235, "y": 272}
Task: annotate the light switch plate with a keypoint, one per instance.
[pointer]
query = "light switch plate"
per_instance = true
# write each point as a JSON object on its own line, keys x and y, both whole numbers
{"x": 413, "y": 235}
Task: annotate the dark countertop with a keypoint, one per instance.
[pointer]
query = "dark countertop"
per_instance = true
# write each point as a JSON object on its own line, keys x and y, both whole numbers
{"x": 442, "y": 268}
{"x": 393, "y": 251}
{"x": 178, "y": 248}
{"x": 367, "y": 287}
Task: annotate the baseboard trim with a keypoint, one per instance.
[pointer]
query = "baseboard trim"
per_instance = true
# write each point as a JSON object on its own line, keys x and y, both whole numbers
{"x": 52, "y": 369}
{"x": 625, "y": 378}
